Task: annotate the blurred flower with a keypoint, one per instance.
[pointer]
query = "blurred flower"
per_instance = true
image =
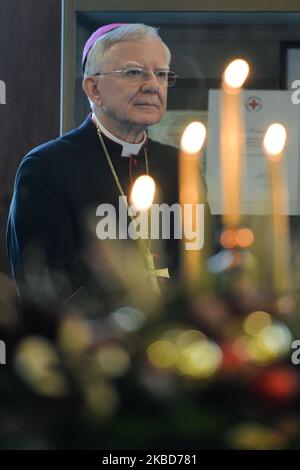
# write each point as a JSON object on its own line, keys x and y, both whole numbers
{"x": 200, "y": 359}
{"x": 188, "y": 337}
{"x": 37, "y": 362}
{"x": 162, "y": 354}
{"x": 74, "y": 335}
{"x": 102, "y": 399}
{"x": 271, "y": 343}
{"x": 255, "y": 436}
{"x": 256, "y": 322}
{"x": 113, "y": 360}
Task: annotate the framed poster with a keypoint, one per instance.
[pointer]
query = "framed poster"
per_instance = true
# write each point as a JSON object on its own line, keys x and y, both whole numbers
{"x": 260, "y": 109}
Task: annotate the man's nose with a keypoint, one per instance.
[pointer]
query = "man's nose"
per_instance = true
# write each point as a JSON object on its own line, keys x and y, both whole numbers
{"x": 151, "y": 83}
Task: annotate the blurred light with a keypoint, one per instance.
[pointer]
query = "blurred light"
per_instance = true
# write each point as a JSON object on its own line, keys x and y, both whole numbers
{"x": 254, "y": 436}
{"x": 220, "y": 262}
{"x": 172, "y": 334}
{"x": 236, "y": 73}
{"x": 271, "y": 343}
{"x": 240, "y": 348}
{"x": 286, "y": 304}
{"x": 102, "y": 399}
{"x": 142, "y": 193}
{"x": 200, "y": 360}
{"x": 193, "y": 137}
{"x": 279, "y": 384}
{"x": 162, "y": 354}
{"x": 37, "y": 362}
{"x": 158, "y": 382}
{"x": 274, "y": 140}
{"x": 276, "y": 338}
{"x": 228, "y": 239}
{"x": 74, "y": 335}
{"x": 249, "y": 260}
{"x": 245, "y": 237}
{"x": 53, "y": 384}
{"x": 257, "y": 321}
{"x": 237, "y": 258}
{"x": 113, "y": 360}
{"x": 186, "y": 338}
{"x": 128, "y": 318}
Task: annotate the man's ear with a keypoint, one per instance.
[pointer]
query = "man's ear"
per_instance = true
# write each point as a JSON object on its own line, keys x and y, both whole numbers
{"x": 90, "y": 86}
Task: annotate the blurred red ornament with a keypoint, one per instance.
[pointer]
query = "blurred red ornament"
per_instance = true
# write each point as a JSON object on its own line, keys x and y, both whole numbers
{"x": 277, "y": 385}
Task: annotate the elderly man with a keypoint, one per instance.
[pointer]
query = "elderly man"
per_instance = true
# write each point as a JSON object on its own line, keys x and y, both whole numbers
{"x": 52, "y": 224}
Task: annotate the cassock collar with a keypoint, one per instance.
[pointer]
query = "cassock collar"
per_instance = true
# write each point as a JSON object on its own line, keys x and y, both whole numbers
{"x": 128, "y": 149}
{"x": 117, "y": 146}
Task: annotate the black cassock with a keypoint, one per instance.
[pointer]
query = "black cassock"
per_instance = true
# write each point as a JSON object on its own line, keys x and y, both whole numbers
{"x": 51, "y": 232}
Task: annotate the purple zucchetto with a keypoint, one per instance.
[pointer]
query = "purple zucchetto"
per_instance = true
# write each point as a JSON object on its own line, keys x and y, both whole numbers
{"x": 96, "y": 35}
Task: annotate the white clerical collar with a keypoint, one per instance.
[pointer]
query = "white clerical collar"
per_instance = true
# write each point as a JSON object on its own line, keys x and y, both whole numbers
{"x": 127, "y": 148}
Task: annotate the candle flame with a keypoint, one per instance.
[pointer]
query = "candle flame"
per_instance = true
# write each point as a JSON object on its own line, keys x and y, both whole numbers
{"x": 274, "y": 140}
{"x": 236, "y": 73}
{"x": 142, "y": 193}
{"x": 193, "y": 137}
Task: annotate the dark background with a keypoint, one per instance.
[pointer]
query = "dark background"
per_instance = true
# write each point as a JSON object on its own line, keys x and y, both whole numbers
{"x": 30, "y": 42}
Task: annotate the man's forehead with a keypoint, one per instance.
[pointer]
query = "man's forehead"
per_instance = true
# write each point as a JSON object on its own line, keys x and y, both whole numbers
{"x": 141, "y": 52}
{"x": 133, "y": 63}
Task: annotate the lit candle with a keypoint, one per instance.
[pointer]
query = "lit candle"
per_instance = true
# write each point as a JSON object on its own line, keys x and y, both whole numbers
{"x": 142, "y": 193}
{"x": 231, "y": 140}
{"x": 274, "y": 142}
{"x": 190, "y": 193}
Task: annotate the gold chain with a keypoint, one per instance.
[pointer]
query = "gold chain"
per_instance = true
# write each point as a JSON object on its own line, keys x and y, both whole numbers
{"x": 152, "y": 272}
{"x": 111, "y": 164}
{"x": 117, "y": 181}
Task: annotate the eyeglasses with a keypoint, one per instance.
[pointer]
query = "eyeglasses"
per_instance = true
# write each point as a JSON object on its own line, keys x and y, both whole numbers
{"x": 139, "y": 75}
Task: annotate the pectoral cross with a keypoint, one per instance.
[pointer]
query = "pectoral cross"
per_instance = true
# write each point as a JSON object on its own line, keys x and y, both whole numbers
{"x": 155, "y": 273}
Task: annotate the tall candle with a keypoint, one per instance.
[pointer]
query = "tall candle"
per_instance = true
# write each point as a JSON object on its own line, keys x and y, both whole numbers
{"x": 190, "y": 194}
{"x": 232, "y": 140}
{"x": 274, "y": 142}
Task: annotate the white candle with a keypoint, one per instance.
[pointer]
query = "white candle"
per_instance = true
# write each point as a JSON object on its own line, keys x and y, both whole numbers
{"x": 232, "y": 129}
{"x": 190, "y": 192}
{"x": 274, "y": 142}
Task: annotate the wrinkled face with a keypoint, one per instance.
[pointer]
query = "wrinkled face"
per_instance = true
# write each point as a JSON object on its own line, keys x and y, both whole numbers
{"x": 126, "y": 104}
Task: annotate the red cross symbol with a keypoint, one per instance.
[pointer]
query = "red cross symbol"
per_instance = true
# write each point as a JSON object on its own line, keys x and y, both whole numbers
{"x": 253, "y": 104}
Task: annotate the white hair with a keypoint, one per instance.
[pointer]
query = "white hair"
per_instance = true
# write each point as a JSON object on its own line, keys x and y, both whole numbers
{"x": 126, "y": 32}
